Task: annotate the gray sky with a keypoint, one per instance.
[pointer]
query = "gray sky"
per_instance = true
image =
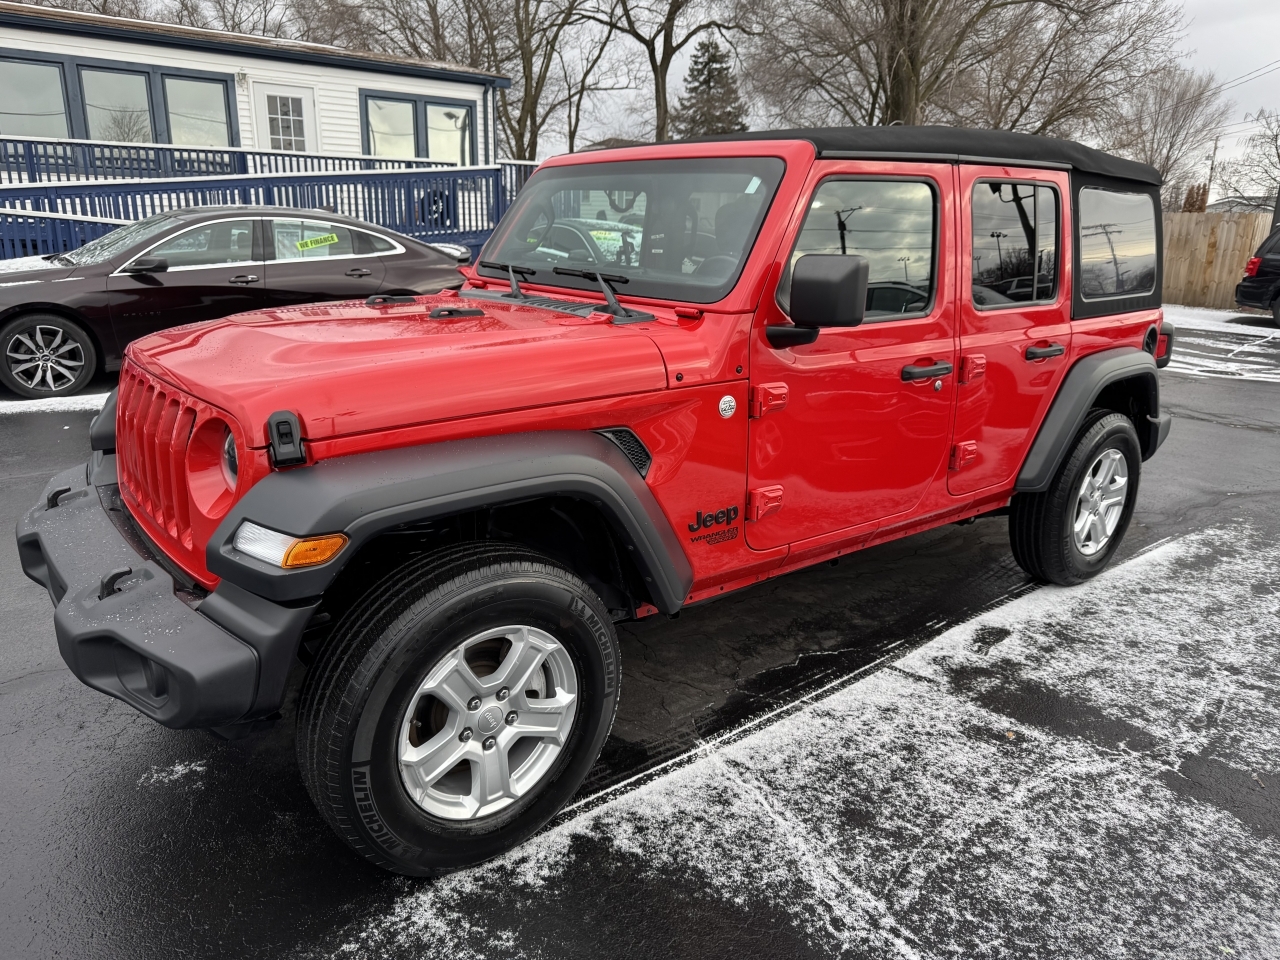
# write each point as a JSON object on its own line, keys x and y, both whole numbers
{"x": 1231, "y": 38}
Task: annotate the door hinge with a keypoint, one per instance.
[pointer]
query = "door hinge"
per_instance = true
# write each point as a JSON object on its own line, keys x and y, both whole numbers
{"x": 767, "y": 398}
{"x": 763, "y": 501}
{"x": 963, "y": 454}
{"x": 972, "y": 367}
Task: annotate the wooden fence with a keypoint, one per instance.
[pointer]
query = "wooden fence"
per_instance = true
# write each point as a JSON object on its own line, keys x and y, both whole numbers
{"x": 1205, "y": 254}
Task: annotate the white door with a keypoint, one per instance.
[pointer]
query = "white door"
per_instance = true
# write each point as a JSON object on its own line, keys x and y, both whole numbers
{"x": 285, "y": 118}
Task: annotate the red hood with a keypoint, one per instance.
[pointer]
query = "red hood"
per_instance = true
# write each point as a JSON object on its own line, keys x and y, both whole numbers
{"x": 348, "y": 368}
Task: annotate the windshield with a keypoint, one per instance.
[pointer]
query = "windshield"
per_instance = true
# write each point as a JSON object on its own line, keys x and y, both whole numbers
{"x": 117, "y": 241}
{"x": 675, "y": 229}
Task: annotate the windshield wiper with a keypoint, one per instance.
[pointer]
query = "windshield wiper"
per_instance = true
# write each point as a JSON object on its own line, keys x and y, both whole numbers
{"x": 605, "y": 279}
{"x": 511, "y": 271}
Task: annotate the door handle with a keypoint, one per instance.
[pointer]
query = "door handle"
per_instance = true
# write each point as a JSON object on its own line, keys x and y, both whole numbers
{"x": 244, "y": 278}
{"x": 941, "y": 369}
{"x": 358, "y": 272}
{"x": 1042, "y": 353}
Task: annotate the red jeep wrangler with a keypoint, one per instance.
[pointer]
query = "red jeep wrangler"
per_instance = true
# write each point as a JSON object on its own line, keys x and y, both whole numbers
{"x": 675, "y": 371}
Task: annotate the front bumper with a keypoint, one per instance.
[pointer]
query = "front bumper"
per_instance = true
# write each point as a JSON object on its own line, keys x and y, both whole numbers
{"x": 184, "y": 663}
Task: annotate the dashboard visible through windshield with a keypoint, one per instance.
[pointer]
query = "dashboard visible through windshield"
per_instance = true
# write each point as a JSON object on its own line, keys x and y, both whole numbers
{"x": 675, "y": 229}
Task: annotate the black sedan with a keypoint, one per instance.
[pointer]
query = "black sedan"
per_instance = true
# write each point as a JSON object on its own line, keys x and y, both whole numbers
{"x": 64, "y": 316}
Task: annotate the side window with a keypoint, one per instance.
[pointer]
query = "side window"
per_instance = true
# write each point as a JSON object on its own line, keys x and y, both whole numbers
{"x": 1117, "y": 242}
{"x": 891, "y": 223}
{"x": 230, "y": 241}
{"x": 367, "y": 243}
{"x": 309, "y": 239}
{"x": 1015, "y": 243}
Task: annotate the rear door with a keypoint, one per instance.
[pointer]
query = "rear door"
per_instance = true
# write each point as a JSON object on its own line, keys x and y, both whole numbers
{"x": 1014, "y": 319}
{"x": 843, "y": 430}
{"x": 215, "y": 270}
{"x": 313, "y": 260}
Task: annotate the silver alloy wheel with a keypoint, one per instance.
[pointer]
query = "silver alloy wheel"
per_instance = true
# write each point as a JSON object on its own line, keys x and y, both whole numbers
{"x": 1100, "y": 501}
{"x": 40, "y": 353}
{"x": 488, "y": 722}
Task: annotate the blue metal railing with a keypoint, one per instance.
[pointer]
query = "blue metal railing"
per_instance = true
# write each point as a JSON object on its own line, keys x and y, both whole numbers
{"x": 457, "y": 204}
{"x": 23, "y": 235}
{"x": 26, "y": 160}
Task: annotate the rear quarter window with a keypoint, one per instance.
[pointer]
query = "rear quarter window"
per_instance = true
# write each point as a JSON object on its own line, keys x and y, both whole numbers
{"x": 1116, "y": 237}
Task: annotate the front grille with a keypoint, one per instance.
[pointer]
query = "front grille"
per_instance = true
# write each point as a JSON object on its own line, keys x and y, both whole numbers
{"x": 153, "y": 427}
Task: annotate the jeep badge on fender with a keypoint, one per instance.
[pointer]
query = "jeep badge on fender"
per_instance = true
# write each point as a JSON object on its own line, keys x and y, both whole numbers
{"x": 727, "y": 515}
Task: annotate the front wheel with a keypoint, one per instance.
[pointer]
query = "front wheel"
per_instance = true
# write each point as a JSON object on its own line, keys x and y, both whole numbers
{"x": 457, "y": 707}
{"x": 1070, "y": 532}
{"x": 46, "y": 355}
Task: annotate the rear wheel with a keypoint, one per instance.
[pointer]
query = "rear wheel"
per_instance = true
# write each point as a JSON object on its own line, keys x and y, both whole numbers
{"x": 1070, "y": 532}
{"x": 457, "y": 707}
{"x": 45, "y": 355}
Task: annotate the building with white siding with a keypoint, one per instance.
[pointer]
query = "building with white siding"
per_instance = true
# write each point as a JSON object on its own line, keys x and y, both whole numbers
{"x": 69, "y": 75}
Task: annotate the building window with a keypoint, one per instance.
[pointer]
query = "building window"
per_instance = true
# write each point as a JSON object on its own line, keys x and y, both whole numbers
{"x": 449, "y": 134}
{"x": 197, "y": 112}
{"x": 392, "y": 128}
{"x": 408, "y": 126}
{"x": 284, "y": 121}
{"x": 34, "y": 105}
{"x": 116, "y": 106}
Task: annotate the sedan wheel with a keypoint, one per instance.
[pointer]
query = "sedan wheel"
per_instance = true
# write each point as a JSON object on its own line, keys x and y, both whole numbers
{"x": 46, "y": 356}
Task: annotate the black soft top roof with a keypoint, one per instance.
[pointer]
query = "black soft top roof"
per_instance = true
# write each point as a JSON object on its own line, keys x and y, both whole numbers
{"x": 957, "y": 144}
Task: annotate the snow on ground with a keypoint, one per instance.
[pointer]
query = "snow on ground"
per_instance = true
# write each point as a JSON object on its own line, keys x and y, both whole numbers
{"x": 1225, "y": 344}
{"x": 82, "y": 401}
{"x": 1043, "y": 781}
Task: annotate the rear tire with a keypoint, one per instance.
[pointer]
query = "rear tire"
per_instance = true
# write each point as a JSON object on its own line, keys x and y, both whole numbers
{"x": 45, "y": 355}
{"x": 408, "y": 718}
{"x": 1069, "y": 533}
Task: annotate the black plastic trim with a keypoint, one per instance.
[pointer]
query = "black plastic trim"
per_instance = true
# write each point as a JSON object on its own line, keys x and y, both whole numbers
{"x": 102, "y": 428}
{"x": 365, "y": 494}
{"x": 1080, "y": 388}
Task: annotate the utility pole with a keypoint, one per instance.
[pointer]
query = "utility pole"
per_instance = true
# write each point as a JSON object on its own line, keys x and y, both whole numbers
{"x": 1106, "y": 230}
{"x": 842, "y": 226}
{"x": 998, "y": 236}
{"x": 1213, "y": 163}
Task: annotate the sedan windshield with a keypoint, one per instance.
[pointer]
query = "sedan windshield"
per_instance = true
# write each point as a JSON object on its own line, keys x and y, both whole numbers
{"x": 117, "y": 241}
{"x": 675, "y": 229}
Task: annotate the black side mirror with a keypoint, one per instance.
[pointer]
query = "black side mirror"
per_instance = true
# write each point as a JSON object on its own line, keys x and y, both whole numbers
{"x": 146, "y": 265}
{"x": 829, "y": 290}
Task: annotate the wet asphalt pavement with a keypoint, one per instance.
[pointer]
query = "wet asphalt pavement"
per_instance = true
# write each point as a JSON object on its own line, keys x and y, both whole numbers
{"x": 914, "y": 753}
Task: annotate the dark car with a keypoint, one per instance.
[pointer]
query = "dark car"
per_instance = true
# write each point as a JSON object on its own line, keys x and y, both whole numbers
{"x": 64, "y": 316}
{"x": 1260, "y": 286}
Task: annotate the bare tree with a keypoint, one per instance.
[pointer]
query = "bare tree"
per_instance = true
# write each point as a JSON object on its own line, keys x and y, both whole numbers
{"x": 1041, "y": 66}
{"x": 1256, "y": 174}
{"x": 585, "y": 74}
{"x": 662, "y": 28}
{"x": 1167, "y": 119}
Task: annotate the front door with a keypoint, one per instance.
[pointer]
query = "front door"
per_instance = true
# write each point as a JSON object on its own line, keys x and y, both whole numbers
{"x": 311, "y": 260}
{"x": 213, "y": 271}
{"x": 1015, "y": 328}
{"x": 864, "y": 425}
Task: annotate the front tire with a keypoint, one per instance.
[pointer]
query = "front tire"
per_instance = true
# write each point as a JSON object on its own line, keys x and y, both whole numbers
{"x": 1069, "y": 533}
{"x": 45, "y": 355}
{"x": 457, "y": 706}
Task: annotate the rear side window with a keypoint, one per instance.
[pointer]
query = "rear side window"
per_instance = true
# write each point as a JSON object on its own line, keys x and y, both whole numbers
{"x": 1270, "y": 246}
{"x": 371, "y": 243}
{"x": 1015, "y": 243}
{"x": 309, "y": 239}
{"x": 1116, "y": 235}
{"x": 892, "y": 223}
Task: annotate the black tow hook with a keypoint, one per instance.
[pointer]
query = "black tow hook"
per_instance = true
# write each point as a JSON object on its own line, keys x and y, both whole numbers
{"x": 51, "y": 501}
{"x": 107, "y": 586}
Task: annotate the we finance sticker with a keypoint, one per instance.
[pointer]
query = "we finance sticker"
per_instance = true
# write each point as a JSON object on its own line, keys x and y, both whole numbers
{"x": 324, "y": 241}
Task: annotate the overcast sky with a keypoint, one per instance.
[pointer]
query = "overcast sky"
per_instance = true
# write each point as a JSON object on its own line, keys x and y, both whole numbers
{"x": 1231, "y": 38}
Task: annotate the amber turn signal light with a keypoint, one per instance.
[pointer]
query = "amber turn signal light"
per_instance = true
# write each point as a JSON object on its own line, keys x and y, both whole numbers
{"x": 313, "y": 550}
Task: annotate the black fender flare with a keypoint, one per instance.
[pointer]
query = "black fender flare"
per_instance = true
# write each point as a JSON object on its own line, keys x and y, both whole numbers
{"x": 363, "y": 495}
{"x": 1076, "y": 397}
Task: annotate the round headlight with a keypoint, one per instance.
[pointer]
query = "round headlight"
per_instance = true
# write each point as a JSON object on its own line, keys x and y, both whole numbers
{"x": 230, "y": 465}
